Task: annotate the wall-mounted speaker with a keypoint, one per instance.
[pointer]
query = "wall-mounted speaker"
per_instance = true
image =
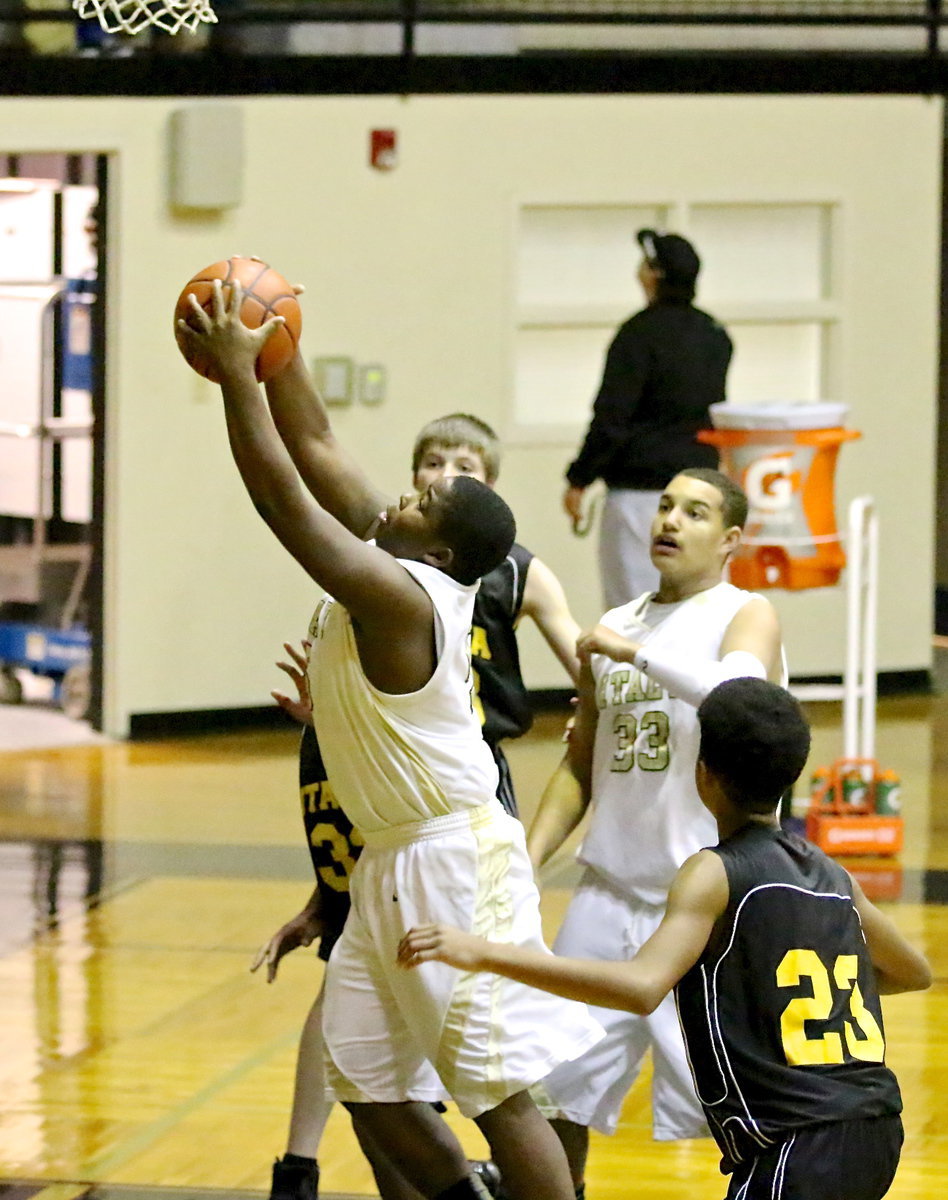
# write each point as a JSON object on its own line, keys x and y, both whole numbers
{"x": 207, "y": 156}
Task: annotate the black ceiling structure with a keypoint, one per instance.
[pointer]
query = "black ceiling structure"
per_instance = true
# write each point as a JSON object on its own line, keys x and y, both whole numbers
{"x": 748, "y": 46}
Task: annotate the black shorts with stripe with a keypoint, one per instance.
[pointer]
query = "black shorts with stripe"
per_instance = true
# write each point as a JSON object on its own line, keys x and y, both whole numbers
{"x": 842, "y": 1160}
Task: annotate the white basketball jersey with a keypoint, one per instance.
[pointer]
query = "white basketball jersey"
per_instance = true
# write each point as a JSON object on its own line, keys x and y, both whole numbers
{"x": 398, "y": 759}
{"x": 647, "y": 817}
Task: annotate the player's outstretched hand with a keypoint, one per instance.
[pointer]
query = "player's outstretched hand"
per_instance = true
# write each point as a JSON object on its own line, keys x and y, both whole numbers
{"x": 300, "y": 708}
{"x": 601, "y": 640}
{"x": 441, "y": 943}
{"x": 303, "y": 930}
{"x": 221, "y": 334}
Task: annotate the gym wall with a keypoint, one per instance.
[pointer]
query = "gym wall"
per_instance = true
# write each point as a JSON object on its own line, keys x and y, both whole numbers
{"x": 418, "y": 268}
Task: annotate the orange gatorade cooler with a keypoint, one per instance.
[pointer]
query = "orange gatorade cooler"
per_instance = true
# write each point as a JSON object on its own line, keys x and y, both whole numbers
{"x": 784, "y": 457}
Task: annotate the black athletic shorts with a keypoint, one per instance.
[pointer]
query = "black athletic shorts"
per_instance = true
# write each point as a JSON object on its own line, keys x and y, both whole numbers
{"x": 505, "y": 787}
{"x": 845, "y": 1160}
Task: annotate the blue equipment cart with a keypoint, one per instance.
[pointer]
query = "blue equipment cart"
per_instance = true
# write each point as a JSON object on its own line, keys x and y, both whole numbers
{"x": 63, "y": 655}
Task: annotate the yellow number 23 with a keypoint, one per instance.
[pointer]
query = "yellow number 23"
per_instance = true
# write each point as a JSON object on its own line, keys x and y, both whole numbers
{"x": 808, "y": 1051}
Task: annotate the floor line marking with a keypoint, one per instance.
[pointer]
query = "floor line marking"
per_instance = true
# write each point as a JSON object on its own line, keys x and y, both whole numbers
{"x": 149, "y": 1134}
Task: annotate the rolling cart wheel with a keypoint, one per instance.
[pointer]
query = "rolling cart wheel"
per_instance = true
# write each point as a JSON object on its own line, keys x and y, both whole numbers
{"x": 75, "y": 692}
{"x": 11, "y": 690}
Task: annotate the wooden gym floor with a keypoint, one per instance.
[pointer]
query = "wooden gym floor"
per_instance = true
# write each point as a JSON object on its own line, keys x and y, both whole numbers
{"x": 140, "y": 1059}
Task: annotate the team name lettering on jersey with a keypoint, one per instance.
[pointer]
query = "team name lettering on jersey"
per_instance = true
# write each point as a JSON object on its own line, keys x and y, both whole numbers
{"x": 335, "y": 843}
{"x": 626, "y": 685}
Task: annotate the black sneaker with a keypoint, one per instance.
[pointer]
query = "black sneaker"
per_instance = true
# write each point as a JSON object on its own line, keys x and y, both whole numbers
{"x": 488, "y": 1173}
{"x": 295, "y": 1180}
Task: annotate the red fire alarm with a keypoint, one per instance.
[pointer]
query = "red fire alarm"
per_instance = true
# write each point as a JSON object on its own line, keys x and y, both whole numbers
{"x": 383, "y": 149}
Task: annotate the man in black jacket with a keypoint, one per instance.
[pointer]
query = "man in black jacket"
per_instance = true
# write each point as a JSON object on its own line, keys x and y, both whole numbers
{"x": 665, "y": 367}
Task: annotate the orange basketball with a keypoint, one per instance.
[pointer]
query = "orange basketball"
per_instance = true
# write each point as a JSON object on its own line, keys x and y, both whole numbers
{"x": 265, "y": 292}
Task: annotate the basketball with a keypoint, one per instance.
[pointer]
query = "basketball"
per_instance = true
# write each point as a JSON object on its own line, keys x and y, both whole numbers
{"x": 265, "y": 292}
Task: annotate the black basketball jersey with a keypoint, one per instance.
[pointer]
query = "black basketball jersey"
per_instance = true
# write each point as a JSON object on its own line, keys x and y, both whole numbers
{"x": 334, "y": 846}
{"x": 501, "y": 699}
{"x": 781, "y": 1013}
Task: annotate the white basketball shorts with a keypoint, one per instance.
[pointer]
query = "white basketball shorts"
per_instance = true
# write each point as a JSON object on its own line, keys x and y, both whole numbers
{"x": 605, "y": 924}
{"x": 485, "y": 1037}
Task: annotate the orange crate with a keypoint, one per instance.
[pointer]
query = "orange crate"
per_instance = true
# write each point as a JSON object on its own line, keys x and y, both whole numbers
{"x": 857, "y": 834}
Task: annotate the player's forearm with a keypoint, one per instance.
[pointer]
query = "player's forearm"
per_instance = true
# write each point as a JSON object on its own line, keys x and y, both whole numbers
{"x": 909, "y": 972}
{"x": 560, "y": 636}
{"x": 331, "y": 476}
{"x": 315, "y": 539}
{"x": 261, "y": 457}
{"x": 606, "y": 984}
{"x": 892, "y": 986}
{"x": 545, "y": 603}
{"x": 562, "y": 807}
{"x": 898, "y": 965}
{"x": 689, "y": 679}
{"x": 297, "y": 406}
{"x": 314, "y": 905}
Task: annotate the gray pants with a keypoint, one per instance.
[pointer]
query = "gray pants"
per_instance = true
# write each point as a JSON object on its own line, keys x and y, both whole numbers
{"x": 625, "y": 539}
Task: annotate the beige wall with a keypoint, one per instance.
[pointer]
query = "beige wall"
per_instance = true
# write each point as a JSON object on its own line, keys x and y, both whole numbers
{"x": 413, "y": 269}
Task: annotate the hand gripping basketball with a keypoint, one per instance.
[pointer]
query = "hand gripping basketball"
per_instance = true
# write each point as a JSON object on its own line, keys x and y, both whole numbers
{"x": 214, "y": 335}
{"x": 265, "y": 293}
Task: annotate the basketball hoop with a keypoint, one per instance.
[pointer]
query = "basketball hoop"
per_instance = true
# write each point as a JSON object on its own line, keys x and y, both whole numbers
{"x": 132, "y": 16}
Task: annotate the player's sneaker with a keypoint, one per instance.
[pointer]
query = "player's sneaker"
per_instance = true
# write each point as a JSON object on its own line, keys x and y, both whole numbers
{"x": 294, "y": 1178}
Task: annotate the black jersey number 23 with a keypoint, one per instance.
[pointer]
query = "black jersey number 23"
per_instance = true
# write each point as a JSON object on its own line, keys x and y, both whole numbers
{"x": 803, "y": 1044}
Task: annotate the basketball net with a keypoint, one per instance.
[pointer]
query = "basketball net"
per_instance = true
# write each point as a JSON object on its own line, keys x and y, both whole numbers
{"x": 132, "y": 16}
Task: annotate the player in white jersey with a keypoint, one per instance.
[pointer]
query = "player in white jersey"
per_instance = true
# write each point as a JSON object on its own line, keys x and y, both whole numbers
{"x": 390, "y": 677}
{"x": 633, "y": 752}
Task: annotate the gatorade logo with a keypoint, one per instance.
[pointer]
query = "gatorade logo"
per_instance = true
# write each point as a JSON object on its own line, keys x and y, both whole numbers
{"x": 770, "y": 482}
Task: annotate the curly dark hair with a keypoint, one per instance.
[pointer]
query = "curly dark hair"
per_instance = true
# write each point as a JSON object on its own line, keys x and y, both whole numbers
{"x": 478, "y": 526}
{"x": 755, "y": 741}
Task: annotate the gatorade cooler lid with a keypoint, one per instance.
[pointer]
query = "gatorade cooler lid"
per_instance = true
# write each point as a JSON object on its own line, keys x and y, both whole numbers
{"x": 804, "y": 415}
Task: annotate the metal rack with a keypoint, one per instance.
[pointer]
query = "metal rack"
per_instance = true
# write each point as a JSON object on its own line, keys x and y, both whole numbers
{"x": 38, "y": 632}
{"x": 858, "y": 688}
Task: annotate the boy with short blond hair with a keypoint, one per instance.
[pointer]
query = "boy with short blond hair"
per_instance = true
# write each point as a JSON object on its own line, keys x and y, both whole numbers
{"x": 459, "y": 431}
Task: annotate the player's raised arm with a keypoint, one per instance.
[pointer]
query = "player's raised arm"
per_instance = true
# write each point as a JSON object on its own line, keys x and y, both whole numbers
{"x": 697, "y": 898}
{"x": 330, "y": 473}
{"x": 371, "y": 584}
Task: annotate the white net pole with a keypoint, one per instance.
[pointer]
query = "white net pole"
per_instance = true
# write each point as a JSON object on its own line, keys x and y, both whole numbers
{"x": 852, "y": 673}
{"x": 870, "y": 618}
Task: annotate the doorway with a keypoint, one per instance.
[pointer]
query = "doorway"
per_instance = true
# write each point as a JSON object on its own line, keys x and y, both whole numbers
{"x": 53, "y": 243}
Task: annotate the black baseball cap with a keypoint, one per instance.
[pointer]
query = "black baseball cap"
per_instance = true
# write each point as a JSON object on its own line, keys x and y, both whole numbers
{"x": 671, "y": 254}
